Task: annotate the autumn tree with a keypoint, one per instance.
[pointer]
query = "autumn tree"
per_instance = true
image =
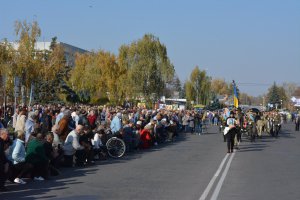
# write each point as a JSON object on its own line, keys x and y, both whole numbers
{"x": 297, "y": 92}
{"x": 7, "y": 65}
{"x": 99, "y": 74}
{"x": 246, "y": 99}
{"x": 219, "y": 87}
{"x": 26, "y": 62}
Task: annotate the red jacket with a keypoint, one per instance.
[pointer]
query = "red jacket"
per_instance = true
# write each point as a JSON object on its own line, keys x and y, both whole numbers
{"x": 92, "y": 120}
{"x": 145, "y": 138}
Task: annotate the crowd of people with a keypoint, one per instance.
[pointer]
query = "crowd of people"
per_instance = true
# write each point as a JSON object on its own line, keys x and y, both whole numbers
{"x": 252, "y": 123}
{"x": 35, "y": 142}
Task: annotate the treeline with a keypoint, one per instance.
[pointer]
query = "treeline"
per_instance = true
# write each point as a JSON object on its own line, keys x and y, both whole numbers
{"x": 23, "y": 66}
{"x": 141, "y": 70}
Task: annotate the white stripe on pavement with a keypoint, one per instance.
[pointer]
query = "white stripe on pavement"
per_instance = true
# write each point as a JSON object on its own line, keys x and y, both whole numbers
{"x": 211, "y": 182}
{"x": 220, "y": 183}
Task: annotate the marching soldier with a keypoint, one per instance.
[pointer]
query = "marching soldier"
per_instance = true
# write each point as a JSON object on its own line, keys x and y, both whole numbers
{"x": 297, "y": 121}
{"x": 230, "y": 131}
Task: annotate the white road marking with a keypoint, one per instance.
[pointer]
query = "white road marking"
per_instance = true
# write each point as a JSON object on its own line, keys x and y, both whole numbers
{"x": 211, "y": 182}
{"x": 220, "y": 183}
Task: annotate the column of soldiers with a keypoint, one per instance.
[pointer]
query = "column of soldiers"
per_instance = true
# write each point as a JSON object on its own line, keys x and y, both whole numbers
{"x": 253, "y": 124}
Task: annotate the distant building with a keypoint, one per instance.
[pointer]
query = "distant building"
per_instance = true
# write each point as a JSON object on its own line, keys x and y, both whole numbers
{"x": 70, "y": 50}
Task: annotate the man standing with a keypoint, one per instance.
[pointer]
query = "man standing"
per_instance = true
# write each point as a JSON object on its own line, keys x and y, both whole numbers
{"x": 231, "y": 132}
{"x": 297, "y": 121}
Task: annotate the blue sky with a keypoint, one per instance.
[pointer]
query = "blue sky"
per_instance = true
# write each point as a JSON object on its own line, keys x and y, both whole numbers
{"x": 250, "y": 41}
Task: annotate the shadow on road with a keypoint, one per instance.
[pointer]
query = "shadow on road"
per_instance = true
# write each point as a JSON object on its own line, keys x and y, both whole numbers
{"x": 261, "y": 143}
{"x": 69, "y": 176}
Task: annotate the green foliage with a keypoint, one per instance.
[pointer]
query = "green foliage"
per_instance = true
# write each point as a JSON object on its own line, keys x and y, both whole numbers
{"x": 198, "y": 87}
{"x": 141, "y": 69}
{"x": 99, "y": 75}
{"x": 53, "y": 74}
{"x": 276, "y": 95}
{"x": 46, "y": 70}
{"x": 149, "y": 68}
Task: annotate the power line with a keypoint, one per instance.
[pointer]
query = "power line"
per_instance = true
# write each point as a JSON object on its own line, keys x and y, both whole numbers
{"x": 259, "y": 84}
{"x": 254, "y": 84}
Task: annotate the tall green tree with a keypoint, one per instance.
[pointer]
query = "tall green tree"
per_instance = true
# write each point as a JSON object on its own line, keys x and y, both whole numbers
{"x": 198, "y": 87}
{"x": 273, "y": 95}
{"x": 149, "y": 68}
{"x": 53, "y": 74}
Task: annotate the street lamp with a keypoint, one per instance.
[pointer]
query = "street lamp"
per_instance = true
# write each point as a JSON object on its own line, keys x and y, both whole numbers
{"x": 281, "y": 103}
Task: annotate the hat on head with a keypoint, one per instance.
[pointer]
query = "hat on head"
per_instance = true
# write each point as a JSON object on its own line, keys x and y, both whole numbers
{"x": 139, "y": 123}
{"x": 31, "y": 115}
{"x": 148, "y": 126}
{"x": 67, "y": 113}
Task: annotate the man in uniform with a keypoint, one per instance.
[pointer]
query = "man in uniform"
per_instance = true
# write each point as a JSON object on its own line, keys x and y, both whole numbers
{"x": 230, "y": 132}
{"x": 277, "y": 123}
{"x": 297, "y": 121}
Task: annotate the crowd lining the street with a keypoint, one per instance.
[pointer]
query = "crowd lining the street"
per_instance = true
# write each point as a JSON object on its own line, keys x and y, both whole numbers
{"x": 35, "y": 142}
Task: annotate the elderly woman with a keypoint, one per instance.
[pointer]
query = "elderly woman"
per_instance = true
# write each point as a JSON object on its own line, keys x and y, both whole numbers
{"x": 145, "y": 137}
{"x": 30, "y": 125}
{"x": 21, "y": 167}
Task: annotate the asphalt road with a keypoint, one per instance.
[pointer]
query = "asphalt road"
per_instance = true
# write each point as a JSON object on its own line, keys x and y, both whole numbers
{"x": 189, "y": 169}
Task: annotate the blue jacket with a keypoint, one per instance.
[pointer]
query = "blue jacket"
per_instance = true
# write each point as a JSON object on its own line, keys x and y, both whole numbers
{"x": 19, "y": 153}
{"x": 116, "y": 124}
{"x": 29, "y": 128}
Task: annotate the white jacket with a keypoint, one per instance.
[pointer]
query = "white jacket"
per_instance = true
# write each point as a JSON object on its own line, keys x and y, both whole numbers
{"x": 20, "y": 125}
{"x": 72, "y": 143}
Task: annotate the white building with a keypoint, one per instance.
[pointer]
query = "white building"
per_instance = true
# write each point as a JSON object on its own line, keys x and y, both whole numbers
{"x": 70, "y": 50}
